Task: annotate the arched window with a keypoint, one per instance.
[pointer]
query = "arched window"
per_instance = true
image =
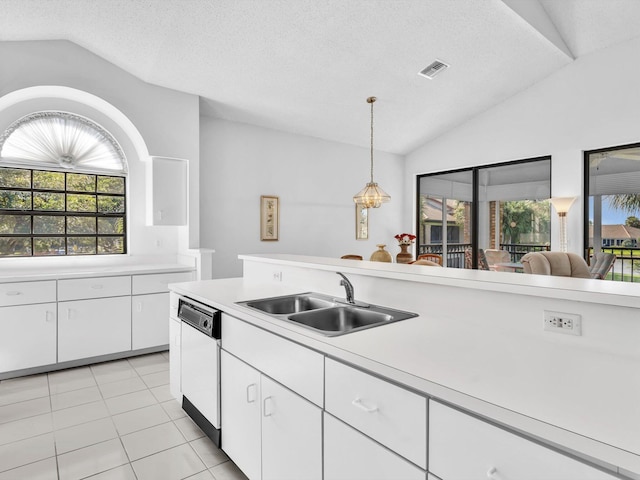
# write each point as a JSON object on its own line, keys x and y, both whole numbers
{"x": 62, "y": 188}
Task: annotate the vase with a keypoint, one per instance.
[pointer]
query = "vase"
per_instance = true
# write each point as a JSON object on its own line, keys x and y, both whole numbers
{"x": 381, "y": 255}
{"x": 404, "y": 256}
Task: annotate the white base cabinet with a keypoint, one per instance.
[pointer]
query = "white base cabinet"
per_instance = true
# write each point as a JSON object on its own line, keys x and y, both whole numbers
{"x": 149, "y": 326}
{"x": 270, "y": 432}
{"x": 348, "y": 454}
{"x": 175, "y": 350}
{"x": 27, "y": 336}
{"x": 240, "y": 406}
{"x": 461, "y": 446}
{"x": 89, "y": 328}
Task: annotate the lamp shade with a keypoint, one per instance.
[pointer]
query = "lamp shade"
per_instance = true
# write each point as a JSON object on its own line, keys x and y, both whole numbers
{"x": 562, "y": 204}
{"x": 371, "y": 196}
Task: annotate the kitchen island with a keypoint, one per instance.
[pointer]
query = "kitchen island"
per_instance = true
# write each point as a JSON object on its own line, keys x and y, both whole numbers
{"x": 476, "y": 354}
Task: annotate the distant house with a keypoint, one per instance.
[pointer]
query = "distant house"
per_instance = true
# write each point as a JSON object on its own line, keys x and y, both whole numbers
{"x": 432, "y": 221}
{"x": 617, "y": 236}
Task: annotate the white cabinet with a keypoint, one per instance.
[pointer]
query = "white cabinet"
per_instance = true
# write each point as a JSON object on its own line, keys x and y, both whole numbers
{"x": 89, "y": 328}
{"x": 274, "y": 356}
{"x": 391, "y": 415}
{"x": 150, "y": 303}
{"x": 175, "y": 348}
{"x": 157, "y": 282}
{"x": 291, "y": 435}
{"x": 167, "y": 190}
{"x": 350, "y": 455}
{"x": 27, "y": 336}
{"x": 96, "y": 287}
{"x": 270, "y": 432}
{"x": 28, "y": 325}
{"x": 462, "y": 446}
{"x": 26, "y": 293}
{"x": 149, "y": 325}
{"x": 241, "y": 425}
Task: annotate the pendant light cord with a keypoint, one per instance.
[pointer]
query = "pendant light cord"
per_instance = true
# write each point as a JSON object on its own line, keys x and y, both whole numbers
{"x": 371, "y": 100}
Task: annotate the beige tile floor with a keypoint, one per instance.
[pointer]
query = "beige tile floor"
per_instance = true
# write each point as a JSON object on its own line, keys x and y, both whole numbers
{"x": 113, "y": 420}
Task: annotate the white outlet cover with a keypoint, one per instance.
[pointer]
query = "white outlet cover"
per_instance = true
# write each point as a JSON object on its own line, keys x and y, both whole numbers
{"x": 576, "y": 320}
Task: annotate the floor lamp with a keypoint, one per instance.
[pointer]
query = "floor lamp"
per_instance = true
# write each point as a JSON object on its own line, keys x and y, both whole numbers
{"x": 562, "y": 206}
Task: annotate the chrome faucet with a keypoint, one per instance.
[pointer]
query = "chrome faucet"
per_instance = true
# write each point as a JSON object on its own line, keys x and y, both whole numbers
{"x": 348, "y": 288}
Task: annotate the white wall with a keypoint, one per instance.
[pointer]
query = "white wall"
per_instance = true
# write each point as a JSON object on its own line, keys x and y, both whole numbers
{"x": 167, "y": 120}
{"x": 315, "y": 180}
{"x": 592, "y": 103}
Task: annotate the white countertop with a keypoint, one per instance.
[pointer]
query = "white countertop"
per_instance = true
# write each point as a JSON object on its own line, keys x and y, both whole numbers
{"x": 578, "y": 289}
{"x": 584, "y": 401}
{"x": 35, "y": 273}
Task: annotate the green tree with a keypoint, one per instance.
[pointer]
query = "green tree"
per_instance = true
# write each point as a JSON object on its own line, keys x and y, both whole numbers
{"x": 523, "y": 216}
{"x": 633, "y": 221}
{"x": 628, "y": 202}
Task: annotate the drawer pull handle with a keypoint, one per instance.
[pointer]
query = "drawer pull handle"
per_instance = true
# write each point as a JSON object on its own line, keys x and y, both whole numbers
{"x": 491, "y": 472}
{"x": 13, "y": 293}
{"x": 97, "y": 286}
{"x": 251, "y": 393}
{"x": 265, "y": 411}
{"x": 48, "y": 317}
{"x": 358, "y": 403}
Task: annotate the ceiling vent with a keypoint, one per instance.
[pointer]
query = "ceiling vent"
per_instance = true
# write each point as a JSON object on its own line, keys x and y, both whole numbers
{"x": 434, "y": 69}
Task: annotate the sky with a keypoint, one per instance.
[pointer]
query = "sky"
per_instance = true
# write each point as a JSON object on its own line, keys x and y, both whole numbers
{"x": 611, "y": 216}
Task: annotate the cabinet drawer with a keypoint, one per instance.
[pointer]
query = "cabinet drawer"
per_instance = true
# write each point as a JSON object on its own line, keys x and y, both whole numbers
{"x": 462, "y": 446}
{"x": 24, "y": 293}
{"x": 293, "y": 365}
{"x": 97, "y": 287}
{"x": 157, "y": 282}
{"x": 387, "y": 413}
{"x": 349, "y": 455}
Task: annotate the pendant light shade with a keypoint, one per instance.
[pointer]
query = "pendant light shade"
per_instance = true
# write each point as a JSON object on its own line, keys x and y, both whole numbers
{"x": 371, "y": 196}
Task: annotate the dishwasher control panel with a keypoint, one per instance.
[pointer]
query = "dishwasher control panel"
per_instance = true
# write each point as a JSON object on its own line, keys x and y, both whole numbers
{"x": 202, "y": 317}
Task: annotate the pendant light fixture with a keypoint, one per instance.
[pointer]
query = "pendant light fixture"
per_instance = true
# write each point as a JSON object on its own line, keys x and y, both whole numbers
{"x": 371, "y": 196}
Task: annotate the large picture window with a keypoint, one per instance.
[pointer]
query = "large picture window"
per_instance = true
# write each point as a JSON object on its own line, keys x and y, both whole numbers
{"x": 493, "y": 214}
{"x": 60, "y": 213}
{"x": 62, "y": 188}
{"x": 612, "y": 209}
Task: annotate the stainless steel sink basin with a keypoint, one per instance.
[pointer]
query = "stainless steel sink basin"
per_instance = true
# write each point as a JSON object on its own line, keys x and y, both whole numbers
{"x": 340, "y": 319}
{"x": 291, "y": 303}
{"x": 326, "y": 315}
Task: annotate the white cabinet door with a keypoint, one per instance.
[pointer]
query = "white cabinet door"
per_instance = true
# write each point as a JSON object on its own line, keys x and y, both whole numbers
{"x": 167, "y": 184}
{"x": 240, "y": 424}
{"x": 89, "y": 328}
{"x": 174, "y": 358}
{"x": 349, "y": 455}
{"x": 27, "y": 336}
{"x": 149, "y": 325}
{"x": 462, "y": 446}
{"x": 291, "y": 435}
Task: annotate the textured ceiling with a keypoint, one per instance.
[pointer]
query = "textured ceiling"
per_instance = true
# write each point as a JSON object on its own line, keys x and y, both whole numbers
{"x": 307, "y": 66}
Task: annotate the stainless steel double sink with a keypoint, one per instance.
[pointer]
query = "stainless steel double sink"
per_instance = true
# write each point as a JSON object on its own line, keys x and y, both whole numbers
{"x": 325, "y": 314}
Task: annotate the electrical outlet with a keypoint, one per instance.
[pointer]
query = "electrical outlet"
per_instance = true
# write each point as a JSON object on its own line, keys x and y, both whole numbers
{"x": 558, "y": 322}
{"x": 277, "y": 276}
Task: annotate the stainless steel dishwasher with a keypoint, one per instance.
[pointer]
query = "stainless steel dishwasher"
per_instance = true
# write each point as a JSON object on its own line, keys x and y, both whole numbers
{"x": 200, "y": 365}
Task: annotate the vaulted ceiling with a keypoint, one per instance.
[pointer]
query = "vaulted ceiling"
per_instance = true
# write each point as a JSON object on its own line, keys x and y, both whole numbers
{"x": 307, "y": 66}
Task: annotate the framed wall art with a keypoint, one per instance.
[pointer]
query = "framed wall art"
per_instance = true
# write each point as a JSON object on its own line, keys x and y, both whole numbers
{"x": 362, "y": 222}
{"x": 269, "y": 218}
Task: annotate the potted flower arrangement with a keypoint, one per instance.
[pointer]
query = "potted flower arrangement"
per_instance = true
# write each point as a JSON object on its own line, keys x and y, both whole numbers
{"x": 405, "y": 240}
